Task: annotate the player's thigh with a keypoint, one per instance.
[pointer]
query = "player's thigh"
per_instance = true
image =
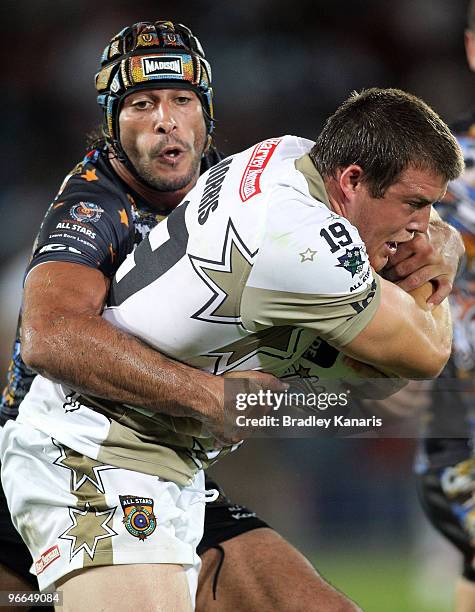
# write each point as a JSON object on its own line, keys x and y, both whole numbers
{"x": 262, "y": 571}
{"x": 149, "y": 588}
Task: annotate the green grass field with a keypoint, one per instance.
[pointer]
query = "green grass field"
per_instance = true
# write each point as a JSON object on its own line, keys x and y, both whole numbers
{"x": 379, "y": 583}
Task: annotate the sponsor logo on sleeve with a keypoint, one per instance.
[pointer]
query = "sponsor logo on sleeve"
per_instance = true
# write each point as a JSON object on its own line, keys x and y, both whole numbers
{"x": 47, "y": 559}
{"x": 86, "y": 211}
{"x": 362, "y": 304}
{"x": 73, "y": 227}
{"x": 352, "y": 261}
{"x": 51, "y": 248}
{"x": 167, "y": 65}
{"x": 364, "y": 277}
{"x": 250, "y": 182}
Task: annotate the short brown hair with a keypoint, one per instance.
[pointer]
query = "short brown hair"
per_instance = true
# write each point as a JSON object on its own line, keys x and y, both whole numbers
{"x": 384, "y": 131}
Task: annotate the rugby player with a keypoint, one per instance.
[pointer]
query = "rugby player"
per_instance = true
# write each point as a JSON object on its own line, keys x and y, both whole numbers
{"x": 445, "y": 463}
{"x": 106, "y": 206}
{"x": 204, "y": 287}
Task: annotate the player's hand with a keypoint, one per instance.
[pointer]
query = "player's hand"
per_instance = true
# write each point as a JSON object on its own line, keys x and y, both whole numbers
{"x": 433, "y": 256}
{"x": 223, "y": 425}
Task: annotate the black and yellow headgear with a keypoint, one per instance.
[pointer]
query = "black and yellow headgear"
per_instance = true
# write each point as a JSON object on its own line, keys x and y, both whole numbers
{"x": 151, "y": 55}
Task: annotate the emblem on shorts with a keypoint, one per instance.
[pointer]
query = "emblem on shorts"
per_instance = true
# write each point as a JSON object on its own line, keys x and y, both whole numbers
{"x": 86, "y": 211}
{"x": 351, "y": 261}
{"x": 139, "y": 519}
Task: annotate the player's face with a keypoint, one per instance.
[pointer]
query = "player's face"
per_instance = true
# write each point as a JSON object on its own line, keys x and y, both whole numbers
{"x": 163, "y": 133}
{"x": 404, "y": 209}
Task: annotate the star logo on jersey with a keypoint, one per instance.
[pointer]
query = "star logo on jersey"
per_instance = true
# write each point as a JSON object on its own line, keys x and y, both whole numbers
{"x": 90, "y": 175}
{"x": 351, "y": 261}
{"x": 88, "y": 528}
{"x": 225, "y": 278}
{"x": 307, "y": 255}
{"x": 303, "y": 372}
{"x": 274, "y": 343}
{"x": 83, "y": 469}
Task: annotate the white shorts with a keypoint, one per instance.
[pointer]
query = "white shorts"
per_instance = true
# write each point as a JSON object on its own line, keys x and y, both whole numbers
{"x": 74, "y": 512}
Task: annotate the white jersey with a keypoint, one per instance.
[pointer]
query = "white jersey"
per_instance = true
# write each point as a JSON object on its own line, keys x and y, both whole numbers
{"x": 244, "y": 274}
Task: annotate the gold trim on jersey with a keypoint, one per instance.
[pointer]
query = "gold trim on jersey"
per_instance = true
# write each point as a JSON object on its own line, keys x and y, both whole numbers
{"x": 337, "y": 319}
{"x": 315, "y": 182}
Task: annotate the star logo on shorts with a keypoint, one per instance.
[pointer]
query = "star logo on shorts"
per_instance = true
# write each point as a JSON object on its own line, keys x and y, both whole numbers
{"x": 88, "y": 528}
{"x": 83, "y": 469}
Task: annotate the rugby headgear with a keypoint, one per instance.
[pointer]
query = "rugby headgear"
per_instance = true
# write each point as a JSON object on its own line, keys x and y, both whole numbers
{"x": 148, "y": 54}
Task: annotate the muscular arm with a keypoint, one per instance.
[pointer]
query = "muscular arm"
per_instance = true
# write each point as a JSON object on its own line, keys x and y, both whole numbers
{"x": 405, "y": 336}
{"x": 65, "y": 338}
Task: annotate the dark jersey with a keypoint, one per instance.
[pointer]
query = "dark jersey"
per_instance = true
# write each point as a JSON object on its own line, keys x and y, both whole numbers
{"x": 95, "y": 220}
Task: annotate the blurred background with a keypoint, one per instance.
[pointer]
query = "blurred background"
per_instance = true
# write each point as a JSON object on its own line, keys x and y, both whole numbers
{"x": 278, "y": 68}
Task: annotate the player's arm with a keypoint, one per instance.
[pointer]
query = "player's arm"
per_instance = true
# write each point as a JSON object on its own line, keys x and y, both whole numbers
{"x": 405, "y": 336}
{"x": 324, "y": 282}
{"x": 65, "y": 338}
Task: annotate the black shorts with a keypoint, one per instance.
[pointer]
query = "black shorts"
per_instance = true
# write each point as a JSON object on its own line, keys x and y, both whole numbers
{"x": 223, "y": 520}
{"x": 447, "y": 501}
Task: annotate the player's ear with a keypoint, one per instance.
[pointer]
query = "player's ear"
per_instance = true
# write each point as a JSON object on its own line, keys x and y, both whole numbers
{"x": 470, "y": 48}
{"x": 349, "y": 179}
